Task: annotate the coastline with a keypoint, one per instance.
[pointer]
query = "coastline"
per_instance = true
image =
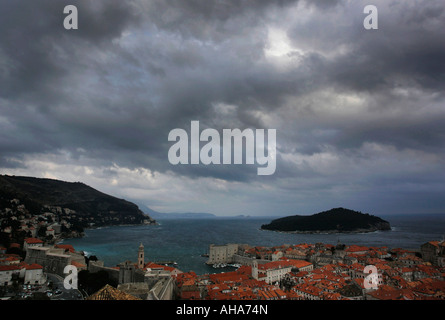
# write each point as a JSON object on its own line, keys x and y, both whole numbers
{"x": 82, "y": 234}
{"x": 119, "y": 244}
{"x": 358, "y": 231}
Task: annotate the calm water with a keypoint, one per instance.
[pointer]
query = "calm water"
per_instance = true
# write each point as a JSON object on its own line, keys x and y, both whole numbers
{"x": 184, "y": 241}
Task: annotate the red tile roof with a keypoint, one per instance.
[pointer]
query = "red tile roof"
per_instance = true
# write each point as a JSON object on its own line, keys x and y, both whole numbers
{"x": 283, "y": 264}
{"x": 33, "y": 266}
{"x": 66, "y": 247}
{"x": 9, "y": 268}
{"x": 355, "y": 248}
{"x": 153, "y": 265}
{"x": 33, "y": 240}
{"x": 395, "y": 294}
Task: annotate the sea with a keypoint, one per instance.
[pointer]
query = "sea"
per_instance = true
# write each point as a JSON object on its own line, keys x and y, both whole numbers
{"x": 187, "y": 241}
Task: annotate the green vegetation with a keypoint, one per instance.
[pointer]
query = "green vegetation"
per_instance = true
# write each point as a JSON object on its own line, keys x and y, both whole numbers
{"x": 88, "y": 206}
{"x": 334, "y": 220}
{"x": 47, "y": 205}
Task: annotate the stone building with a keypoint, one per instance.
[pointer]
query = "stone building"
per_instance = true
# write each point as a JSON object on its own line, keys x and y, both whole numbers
{"x": 275, "y": 271}
{"x": 323, "y": 259}
{"x": 32, "y": 242}
{"x": 53, "y": 260}
{"x": 148, "y": 281}
{"x": 96, "y": 266}
{"x": 161, "y": 290}
{"x": 434, "y": 252}
{"x": 128, "y": 273}
{"x": 34, "y": 274}
{"x": 222, "y": 253}
{"x": 6, "y": 274}
{"x": 31, "y": 274}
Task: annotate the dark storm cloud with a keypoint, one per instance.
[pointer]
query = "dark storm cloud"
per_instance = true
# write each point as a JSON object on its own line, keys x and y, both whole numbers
{"x": 216, "y": 19}
{"x": 405, "y": 54}
{"x": 406, "y": 47}
{"x": 37, "y": 58}
{"x": 137, "y": 69}
{"x": 208, "y": 19}
{"x": 32, "y": 39}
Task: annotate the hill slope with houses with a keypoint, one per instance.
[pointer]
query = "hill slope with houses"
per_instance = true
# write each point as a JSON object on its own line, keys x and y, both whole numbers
{"x": 53, "y": 209}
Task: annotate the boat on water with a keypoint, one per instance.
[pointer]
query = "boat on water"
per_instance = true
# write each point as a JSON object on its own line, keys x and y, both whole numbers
{"x": 224, "y": 265}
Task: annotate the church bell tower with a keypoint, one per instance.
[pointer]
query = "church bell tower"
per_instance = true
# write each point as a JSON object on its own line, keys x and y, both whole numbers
{"x": 141, "y": 256}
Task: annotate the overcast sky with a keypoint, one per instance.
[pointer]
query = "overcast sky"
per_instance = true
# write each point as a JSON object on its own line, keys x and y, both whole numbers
{"x": 359, "y": 114}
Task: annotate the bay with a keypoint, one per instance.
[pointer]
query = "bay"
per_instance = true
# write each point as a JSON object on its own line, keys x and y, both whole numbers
{"x": 184, "y": 241}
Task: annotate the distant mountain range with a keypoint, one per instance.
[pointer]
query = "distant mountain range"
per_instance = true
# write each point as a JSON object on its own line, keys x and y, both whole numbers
{"x": 337, "y": 220}
{"x": 90, "y": 206}
{"x": 184, "y": 215}
{"x": 174, "y": 215}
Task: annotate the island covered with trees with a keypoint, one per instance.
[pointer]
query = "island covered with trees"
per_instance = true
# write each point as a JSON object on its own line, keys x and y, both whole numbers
{"x": 337, "y": 220}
